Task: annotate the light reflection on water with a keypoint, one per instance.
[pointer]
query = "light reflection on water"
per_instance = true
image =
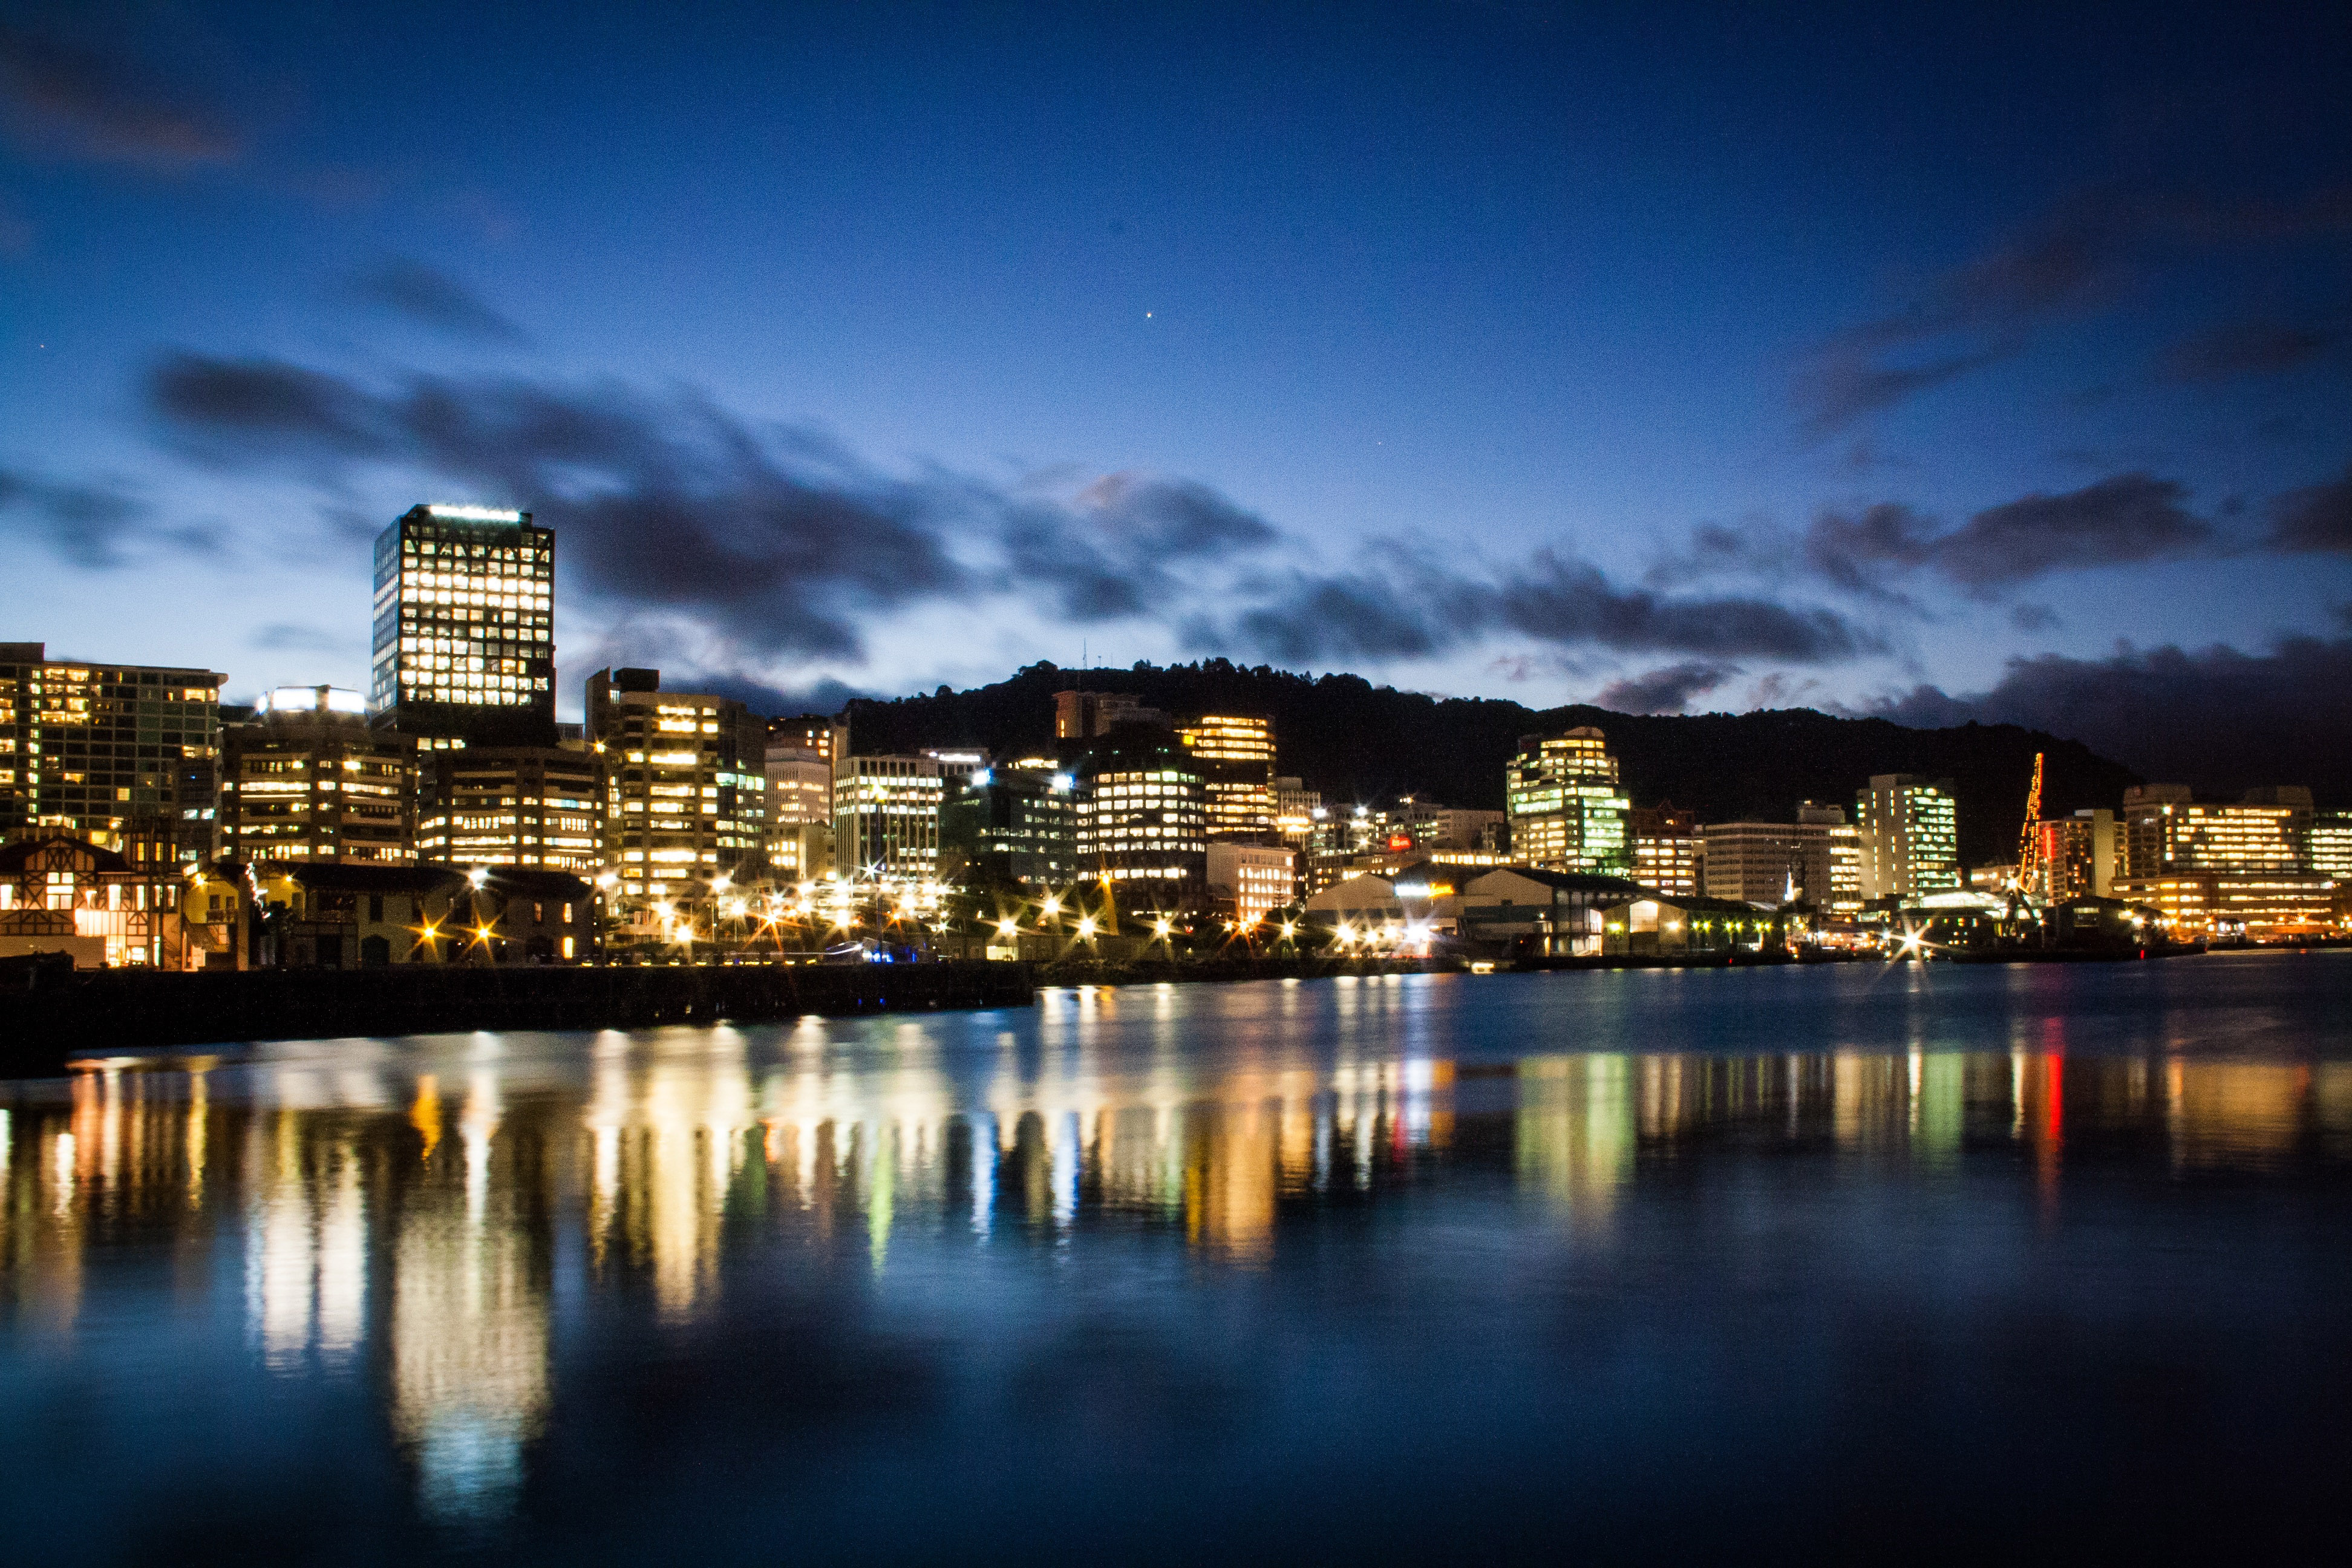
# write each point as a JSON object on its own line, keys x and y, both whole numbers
{"x": 404, "y": 1222}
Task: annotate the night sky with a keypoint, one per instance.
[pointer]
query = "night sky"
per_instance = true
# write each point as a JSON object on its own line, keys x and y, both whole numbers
{"x": 1944, "y": 368}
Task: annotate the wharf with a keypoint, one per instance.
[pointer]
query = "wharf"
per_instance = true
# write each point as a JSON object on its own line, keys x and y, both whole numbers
{"x": 48, "y": 1014}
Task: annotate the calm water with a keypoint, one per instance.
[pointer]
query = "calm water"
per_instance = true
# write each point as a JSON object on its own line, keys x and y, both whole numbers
{"x": 1937, "y": 1262}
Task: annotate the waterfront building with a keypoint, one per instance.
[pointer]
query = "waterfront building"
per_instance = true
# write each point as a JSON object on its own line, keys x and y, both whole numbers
{"x": 463, "y": 632}
{"x": 1088, "y": 715}
{"x": 2167, "y": 829}
{"x": 1143, "y": 821}
{"x": 1543, "y": 913}
{"x": 1233, "y": 754}
{"x": 799, "y": 801}
{"x": 1665, "y": 848}
{"x": 885, "y": 816}
{"x": 2259, "y": 906}
{"x": 684, "y": 785}
{"x": 2074, "y": 856}
{"x": 307, "y": 779}
{"x": 1295, "y": 813}
{"x": 1249, "y": 881}
{"x": 61, "y": 893}
{"x": 525, "y": 807}
{"x": 2225, "y": 868}
{"x": 1766, "y": 863}
{"x": 312, "y": 915}
{"x": 1012, "y": 825}
{"x": 1909, "y": 839}
{"x": 123, "y": 756}
{"x": 1567, "y": 809}
{"x": 2331, "y": 845}
{"x": 1652, "y": 926}
{"x": 1840, "y": 853}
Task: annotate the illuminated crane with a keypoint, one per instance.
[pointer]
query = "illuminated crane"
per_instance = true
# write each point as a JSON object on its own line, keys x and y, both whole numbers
{"x": 2028, "y": 835}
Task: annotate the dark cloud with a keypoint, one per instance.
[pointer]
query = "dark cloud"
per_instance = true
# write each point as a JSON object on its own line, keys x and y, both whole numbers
{"x": 663, "y": 502}
{"x": 2131, "y": 517}
{"x": 2217, "y": 718}
{"x": 1318, "y": 620}
{"x": 1666, "y": 690}
{"x": 94, "y": 527}
{"x": 434, "y": 299}
{"x": 1573, "y": 602}
{"x": 779, "y": 542}
{"x": 2243, "y": 348}
{"x": 2127, "y": 518}
{"x": 290, "y": 636}
{"x": 2085, "y": 254}
{"x": 1108, "y": 552}
{"x": 65, "y": 101}
{"x": 2318, "y": 520}
{"x": 1845, "y": 382}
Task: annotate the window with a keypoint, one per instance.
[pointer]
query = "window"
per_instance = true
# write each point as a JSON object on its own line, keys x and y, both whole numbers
{"x": 375, "y": 907}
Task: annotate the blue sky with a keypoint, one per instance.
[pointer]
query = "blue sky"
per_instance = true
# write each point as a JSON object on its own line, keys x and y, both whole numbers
{"x": 1932, "y": 366}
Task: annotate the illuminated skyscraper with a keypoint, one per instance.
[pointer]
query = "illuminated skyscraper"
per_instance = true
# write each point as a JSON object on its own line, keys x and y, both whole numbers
{"x": 1665, "y": 848}
{"x": 121, "y": 755}
{"x": 1143, "y": 822}
{"x": 309, "y": 780}
{"x": 686, "y": 784}
{"x": 1234, "y": 756}
{"x": 1567, "y": 811}
{"x": 1910, "y": 837}
{"x": 1833, "y": 871}
{"x": 465, "y": 640}
{"x": 886, "y": 816}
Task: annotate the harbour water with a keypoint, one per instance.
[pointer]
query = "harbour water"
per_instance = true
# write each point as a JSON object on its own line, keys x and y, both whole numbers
{"x": 1928, "y": 1261}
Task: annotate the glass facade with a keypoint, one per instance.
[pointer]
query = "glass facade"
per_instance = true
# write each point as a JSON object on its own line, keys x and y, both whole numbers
{"x": 122, "y": 755}
{"x": 464, "y": 632}
{"x": 1568, "y": 812}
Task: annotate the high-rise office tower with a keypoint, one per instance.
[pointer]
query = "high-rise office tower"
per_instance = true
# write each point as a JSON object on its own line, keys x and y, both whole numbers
{"x": 686, "y": 791}
{"x": 885, "y": 816}
{"x": 1665, "y": 848}
{"x": 465, "y": 640}
{"x": 1234, "y": 756}
{"x": 307, "y": 780}
{"x": 1910, "y": 837}
{"x": 120, "y": 755}
{"x": 1143, "y": 821}
{"x": 1833, "y": 859}
{"x": 1567, "y": 809}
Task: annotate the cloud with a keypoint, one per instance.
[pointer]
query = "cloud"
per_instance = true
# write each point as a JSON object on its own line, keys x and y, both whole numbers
{"x": 665, "y": 502}
{"x": 779, "y": 543}
{"x": 434, "y": 299}
{"x": 95, "y": 527}
{"x": 2314, "y": 521}
{"x": 1844, "y": 382}
{"x": 1353, "y": 616}
{"x": 2131, "y": 517}
{"x": 1572, "y": 601}
{"x": 68, "y": 102}
{"x": 2236, "y": 349}
{"x": 2127, "y": 517}
{"x": 1666, "y": 690}
{"x": 2217, "y": 718}
{"x": 289, "y": 636}
{"x": 2083, "y": 255}
{"x": 1105, "y": 553}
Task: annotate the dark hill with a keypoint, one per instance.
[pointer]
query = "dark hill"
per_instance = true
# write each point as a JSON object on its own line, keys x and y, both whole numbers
{"x": 1358, "y": 741}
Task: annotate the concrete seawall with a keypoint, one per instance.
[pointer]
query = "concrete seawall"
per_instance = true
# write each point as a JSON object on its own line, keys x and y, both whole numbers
{"x": 53, "y": 1016}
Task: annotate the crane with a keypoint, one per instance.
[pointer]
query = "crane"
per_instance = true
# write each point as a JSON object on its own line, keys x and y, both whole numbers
{"x": 2027, "y": 834}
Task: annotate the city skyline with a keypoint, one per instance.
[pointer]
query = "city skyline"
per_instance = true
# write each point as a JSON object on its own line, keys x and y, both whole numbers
{"x": 1493, "y": 356}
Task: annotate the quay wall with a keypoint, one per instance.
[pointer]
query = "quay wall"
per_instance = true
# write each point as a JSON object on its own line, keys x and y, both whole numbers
{"x": 46, "y": 1017}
